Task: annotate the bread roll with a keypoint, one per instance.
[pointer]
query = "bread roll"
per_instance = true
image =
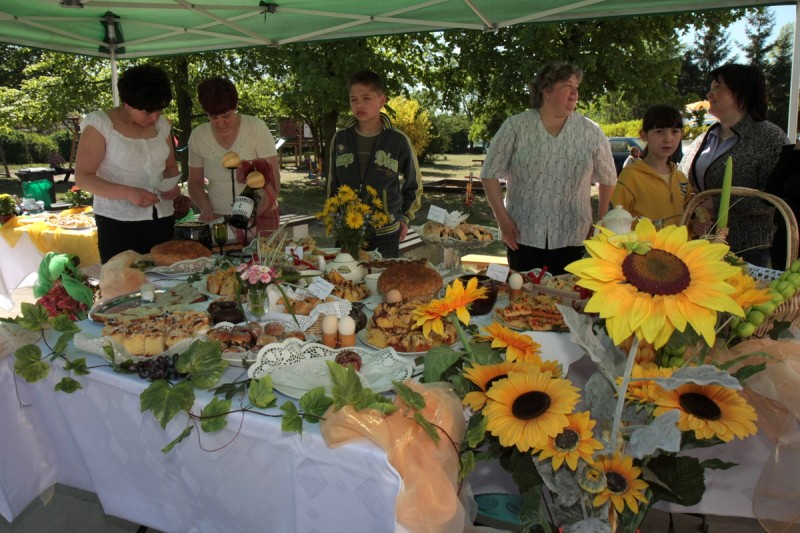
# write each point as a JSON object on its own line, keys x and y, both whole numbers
{"x": 170, "y": 252}
{"x": 117, "y": 277}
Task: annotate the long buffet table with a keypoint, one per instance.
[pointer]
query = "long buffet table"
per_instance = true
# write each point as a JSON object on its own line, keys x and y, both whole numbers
{"x": 250, "y": 476}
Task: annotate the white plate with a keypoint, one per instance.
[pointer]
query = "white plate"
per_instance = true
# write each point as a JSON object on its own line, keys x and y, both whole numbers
{"x": 183, "y": 268}
{"x": 557, "y": 347}
{"x": 298, "y": 367}
{"x": 80, "y": 228}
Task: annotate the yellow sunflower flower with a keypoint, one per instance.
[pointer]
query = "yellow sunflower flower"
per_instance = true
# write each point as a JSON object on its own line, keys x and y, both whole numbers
{"x": 746, "y": 294}
{"x": 642, "y": 391}
{"x": 518, "y": 346}
{"x": 456, "y": 299}
{"x": 484, "y": 376}
{"x": 378, "y": 203}
{"x": 354, "y": 220}
{"x": 527, "y": 407}
{"x": 346, "y": 193}
{"x": 708, "y": 410}
{"x": 372, "y": 191}
{"x": 665, "y": 284}
{"x": 576, "y": 441}
{"x": 623, "y": 485}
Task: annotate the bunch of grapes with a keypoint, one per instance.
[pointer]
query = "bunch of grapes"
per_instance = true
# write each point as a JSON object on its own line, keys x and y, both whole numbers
{"x": 161, "y": 367}
{"x": 58, "y": 301}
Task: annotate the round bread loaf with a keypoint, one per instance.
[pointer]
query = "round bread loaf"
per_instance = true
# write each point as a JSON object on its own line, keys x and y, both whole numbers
{"x": 412, "y": 279}
{"x": 170, "y": 252}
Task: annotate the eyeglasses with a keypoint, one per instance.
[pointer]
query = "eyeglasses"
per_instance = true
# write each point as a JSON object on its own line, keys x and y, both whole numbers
{"x": 223, "y": 116}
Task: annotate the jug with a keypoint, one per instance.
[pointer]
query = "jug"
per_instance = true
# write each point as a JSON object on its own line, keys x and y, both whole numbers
{"x": 348, "y": 267}
{"x": 618, "y": 220}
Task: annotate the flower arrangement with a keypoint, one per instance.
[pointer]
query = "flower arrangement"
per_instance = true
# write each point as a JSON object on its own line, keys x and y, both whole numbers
{"x": 351, "y": 219}
{"x": 8, "y": 205}
{"x": 595, "y": 456}
{"x": 78, "y": 197}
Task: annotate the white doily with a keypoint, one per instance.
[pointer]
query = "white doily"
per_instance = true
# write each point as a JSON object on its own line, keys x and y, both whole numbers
{"x": 298, "y": 367}
{"x": 250, "y": 356}
{"x": 340, "y": 307}
{"x": 763, "y": 274}
{"x": 94, "y": 345}
{"x": 458, "y": 244}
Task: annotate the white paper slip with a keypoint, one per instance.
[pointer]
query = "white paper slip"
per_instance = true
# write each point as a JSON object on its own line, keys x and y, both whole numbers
{"x": 437, "y": 214}
{"x": 321, "y": 288}
{"x": 497, "y": 272}
{"x": 168, "y": 183}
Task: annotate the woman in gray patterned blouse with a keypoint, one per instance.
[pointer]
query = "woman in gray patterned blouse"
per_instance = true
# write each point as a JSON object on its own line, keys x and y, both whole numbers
{"x": 549, "y": 156}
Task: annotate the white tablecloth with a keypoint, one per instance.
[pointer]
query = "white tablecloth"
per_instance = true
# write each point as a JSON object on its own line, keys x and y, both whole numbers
{"x": 260, "y": 479}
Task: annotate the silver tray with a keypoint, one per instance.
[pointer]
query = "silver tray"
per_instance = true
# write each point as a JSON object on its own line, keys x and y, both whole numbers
{"x": 119, "y": 304}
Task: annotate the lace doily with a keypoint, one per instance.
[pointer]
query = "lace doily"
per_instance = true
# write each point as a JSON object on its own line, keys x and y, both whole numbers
{"x": 458, "y": 244}
{"x": 95, "y": 345}
{"x": 298, "y": 367}
{"x": 340, "y": 308}
{"x": 763, "y": 274}
{"x": 249, "y": 356}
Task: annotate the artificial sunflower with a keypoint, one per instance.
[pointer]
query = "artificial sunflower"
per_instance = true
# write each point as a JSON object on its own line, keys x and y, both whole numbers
{"x": 747, "y": 295}
{"x": 623, "y": 485}
{"x": 708, "y": 410}
{"x": 484, "y": 376}
{"x": 576, "y": 441}
{"x": 518, "y": 346}
{"x": 658, "y": 284}
{"x": 456, "y": 299}
{"x": 641, "y": 386}
{"x": 527, "y": 407}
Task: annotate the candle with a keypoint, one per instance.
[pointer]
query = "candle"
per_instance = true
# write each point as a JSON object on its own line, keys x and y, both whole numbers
{"x": 725, "y": 199}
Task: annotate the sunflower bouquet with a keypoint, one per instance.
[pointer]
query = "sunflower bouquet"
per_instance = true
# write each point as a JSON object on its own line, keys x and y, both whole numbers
{"x": 351, "y": 218}
{"x": 594, "y": 454}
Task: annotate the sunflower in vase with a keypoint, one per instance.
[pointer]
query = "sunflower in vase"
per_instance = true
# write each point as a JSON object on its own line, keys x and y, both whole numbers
{"x": 352, "y": 218}
{"x": 594, "y": 452}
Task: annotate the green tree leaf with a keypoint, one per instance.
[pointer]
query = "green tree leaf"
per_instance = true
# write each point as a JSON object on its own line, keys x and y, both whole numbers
{"x": 315, "y": 402}
{"x": 203, "y": 362}
{"x": 34, "y": 316}
{"x": 165, "y": 400}
{"x": 291, "y": 421}
{"x": 215, "y": 415}
{"x": 78, "y": 366}
{"x": 67, "y": 385}
{"x": 28, "y": 363}
{"x": 437, "y": 361}
{"x": 677, "y": 479}
{"x": 185, "y": 433}
{"x": 347, "y": 387}
{"x": 260, "y": 392}
{"x": 410, "y": 397}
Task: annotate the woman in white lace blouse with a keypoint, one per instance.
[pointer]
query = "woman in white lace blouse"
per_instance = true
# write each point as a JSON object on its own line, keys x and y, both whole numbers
{"x": 549, "y": 156}
{"x": 124, "y": 154}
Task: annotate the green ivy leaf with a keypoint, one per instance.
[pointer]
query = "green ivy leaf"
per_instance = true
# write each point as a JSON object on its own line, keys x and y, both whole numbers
{"x": 680, "y": 479}
{"x": 67, "y": 385}
{"x": 185, "y": 433}
{"x": 429, "y": 428}
{"x": 203, "y": 362}
{"x": 230, "y": 389}
{"x": 217, "y": 410}
{"x": 437, "y": 361}
{"x": 384, "y": 405}
{"x": 315, "y": 402}
{"x": 64, "y": 324}
{"x": 78, "y": 290}
{"x": 165, "y": 400}
{"x": 291, "y": 421}
{"x": 109, "y": 351}
{"x": 410, "y": 397}
{"x": 78, "y": 366}
{"x": 260, "y": 393}
{"x": 34, "y": 317}
{"x": 28, "y": 363}
{"x": 62, "y": 342}
{"x": 467, "y": 465}
{"x": 717, "y": 464}
{"x": 347, "y": 387}
{"x": 476, "y": 430}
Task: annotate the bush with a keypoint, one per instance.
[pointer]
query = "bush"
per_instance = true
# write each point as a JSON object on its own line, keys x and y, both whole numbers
{"x": 629, "y": 128}
{"x": 450, "y": 134}
{"x": 63, "y": 140}
{"x": 24, "y": 148}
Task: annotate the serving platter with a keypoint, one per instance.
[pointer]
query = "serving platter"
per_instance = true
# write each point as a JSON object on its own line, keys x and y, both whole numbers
{"x": 362, "y": 336}
{"x": 182, "y": 268}
{"x": 119, "y": 304}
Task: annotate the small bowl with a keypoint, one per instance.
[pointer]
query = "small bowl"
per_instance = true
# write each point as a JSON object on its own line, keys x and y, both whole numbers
{"x": 482, "y": 306}
{"x": 372, "y": 282}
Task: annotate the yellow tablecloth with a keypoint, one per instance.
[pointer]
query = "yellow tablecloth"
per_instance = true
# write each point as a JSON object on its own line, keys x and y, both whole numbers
{"x": 47, "y": 238}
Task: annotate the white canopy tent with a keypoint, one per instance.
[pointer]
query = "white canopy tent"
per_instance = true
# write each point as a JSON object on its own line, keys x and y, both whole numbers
{"x": 145, "y": 28}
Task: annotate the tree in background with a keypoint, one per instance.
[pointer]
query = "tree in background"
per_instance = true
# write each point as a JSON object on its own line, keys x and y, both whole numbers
{"x": 408, "y": 117}
{"x": 760, "y": 23}
{"x": 713, "y": 51}
{"x": 778, "y": 73}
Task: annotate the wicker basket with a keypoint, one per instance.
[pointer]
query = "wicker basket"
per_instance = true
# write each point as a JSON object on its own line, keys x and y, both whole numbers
{"x": 789, "y": 310}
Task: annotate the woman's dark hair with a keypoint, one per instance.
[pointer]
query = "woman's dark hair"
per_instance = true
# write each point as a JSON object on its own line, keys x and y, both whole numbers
{"x": 217, "y": 95}
{"x": 662, "y": 116}
{"x": 145, "y": 87}
{"x": 550, "y": 74}
{"x": 748, "y": 86}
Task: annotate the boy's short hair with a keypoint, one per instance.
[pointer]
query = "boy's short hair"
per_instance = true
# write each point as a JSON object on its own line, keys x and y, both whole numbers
{"x": 145, "y": 87}
{"x": 368, "y": 78}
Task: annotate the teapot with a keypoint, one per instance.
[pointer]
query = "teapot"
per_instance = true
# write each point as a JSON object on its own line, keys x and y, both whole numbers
{"x": 347, "y": 266}
{"x": 618, "y": 220}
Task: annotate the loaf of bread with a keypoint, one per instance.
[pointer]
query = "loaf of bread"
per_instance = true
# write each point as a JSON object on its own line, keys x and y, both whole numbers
{"x": 170, "y": 252}
{"x": 117, "y": 277}
{"x": 412, "y": 279}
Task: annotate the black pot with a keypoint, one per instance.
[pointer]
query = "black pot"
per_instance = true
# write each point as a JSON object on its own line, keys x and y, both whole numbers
{"x": 225, "y": 311}
{"x": 482, "y": 306}
{"x": 193, "y": 231}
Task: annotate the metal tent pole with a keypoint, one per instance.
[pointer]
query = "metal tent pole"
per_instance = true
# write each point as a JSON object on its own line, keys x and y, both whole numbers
{"x": 794, "y": 89}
